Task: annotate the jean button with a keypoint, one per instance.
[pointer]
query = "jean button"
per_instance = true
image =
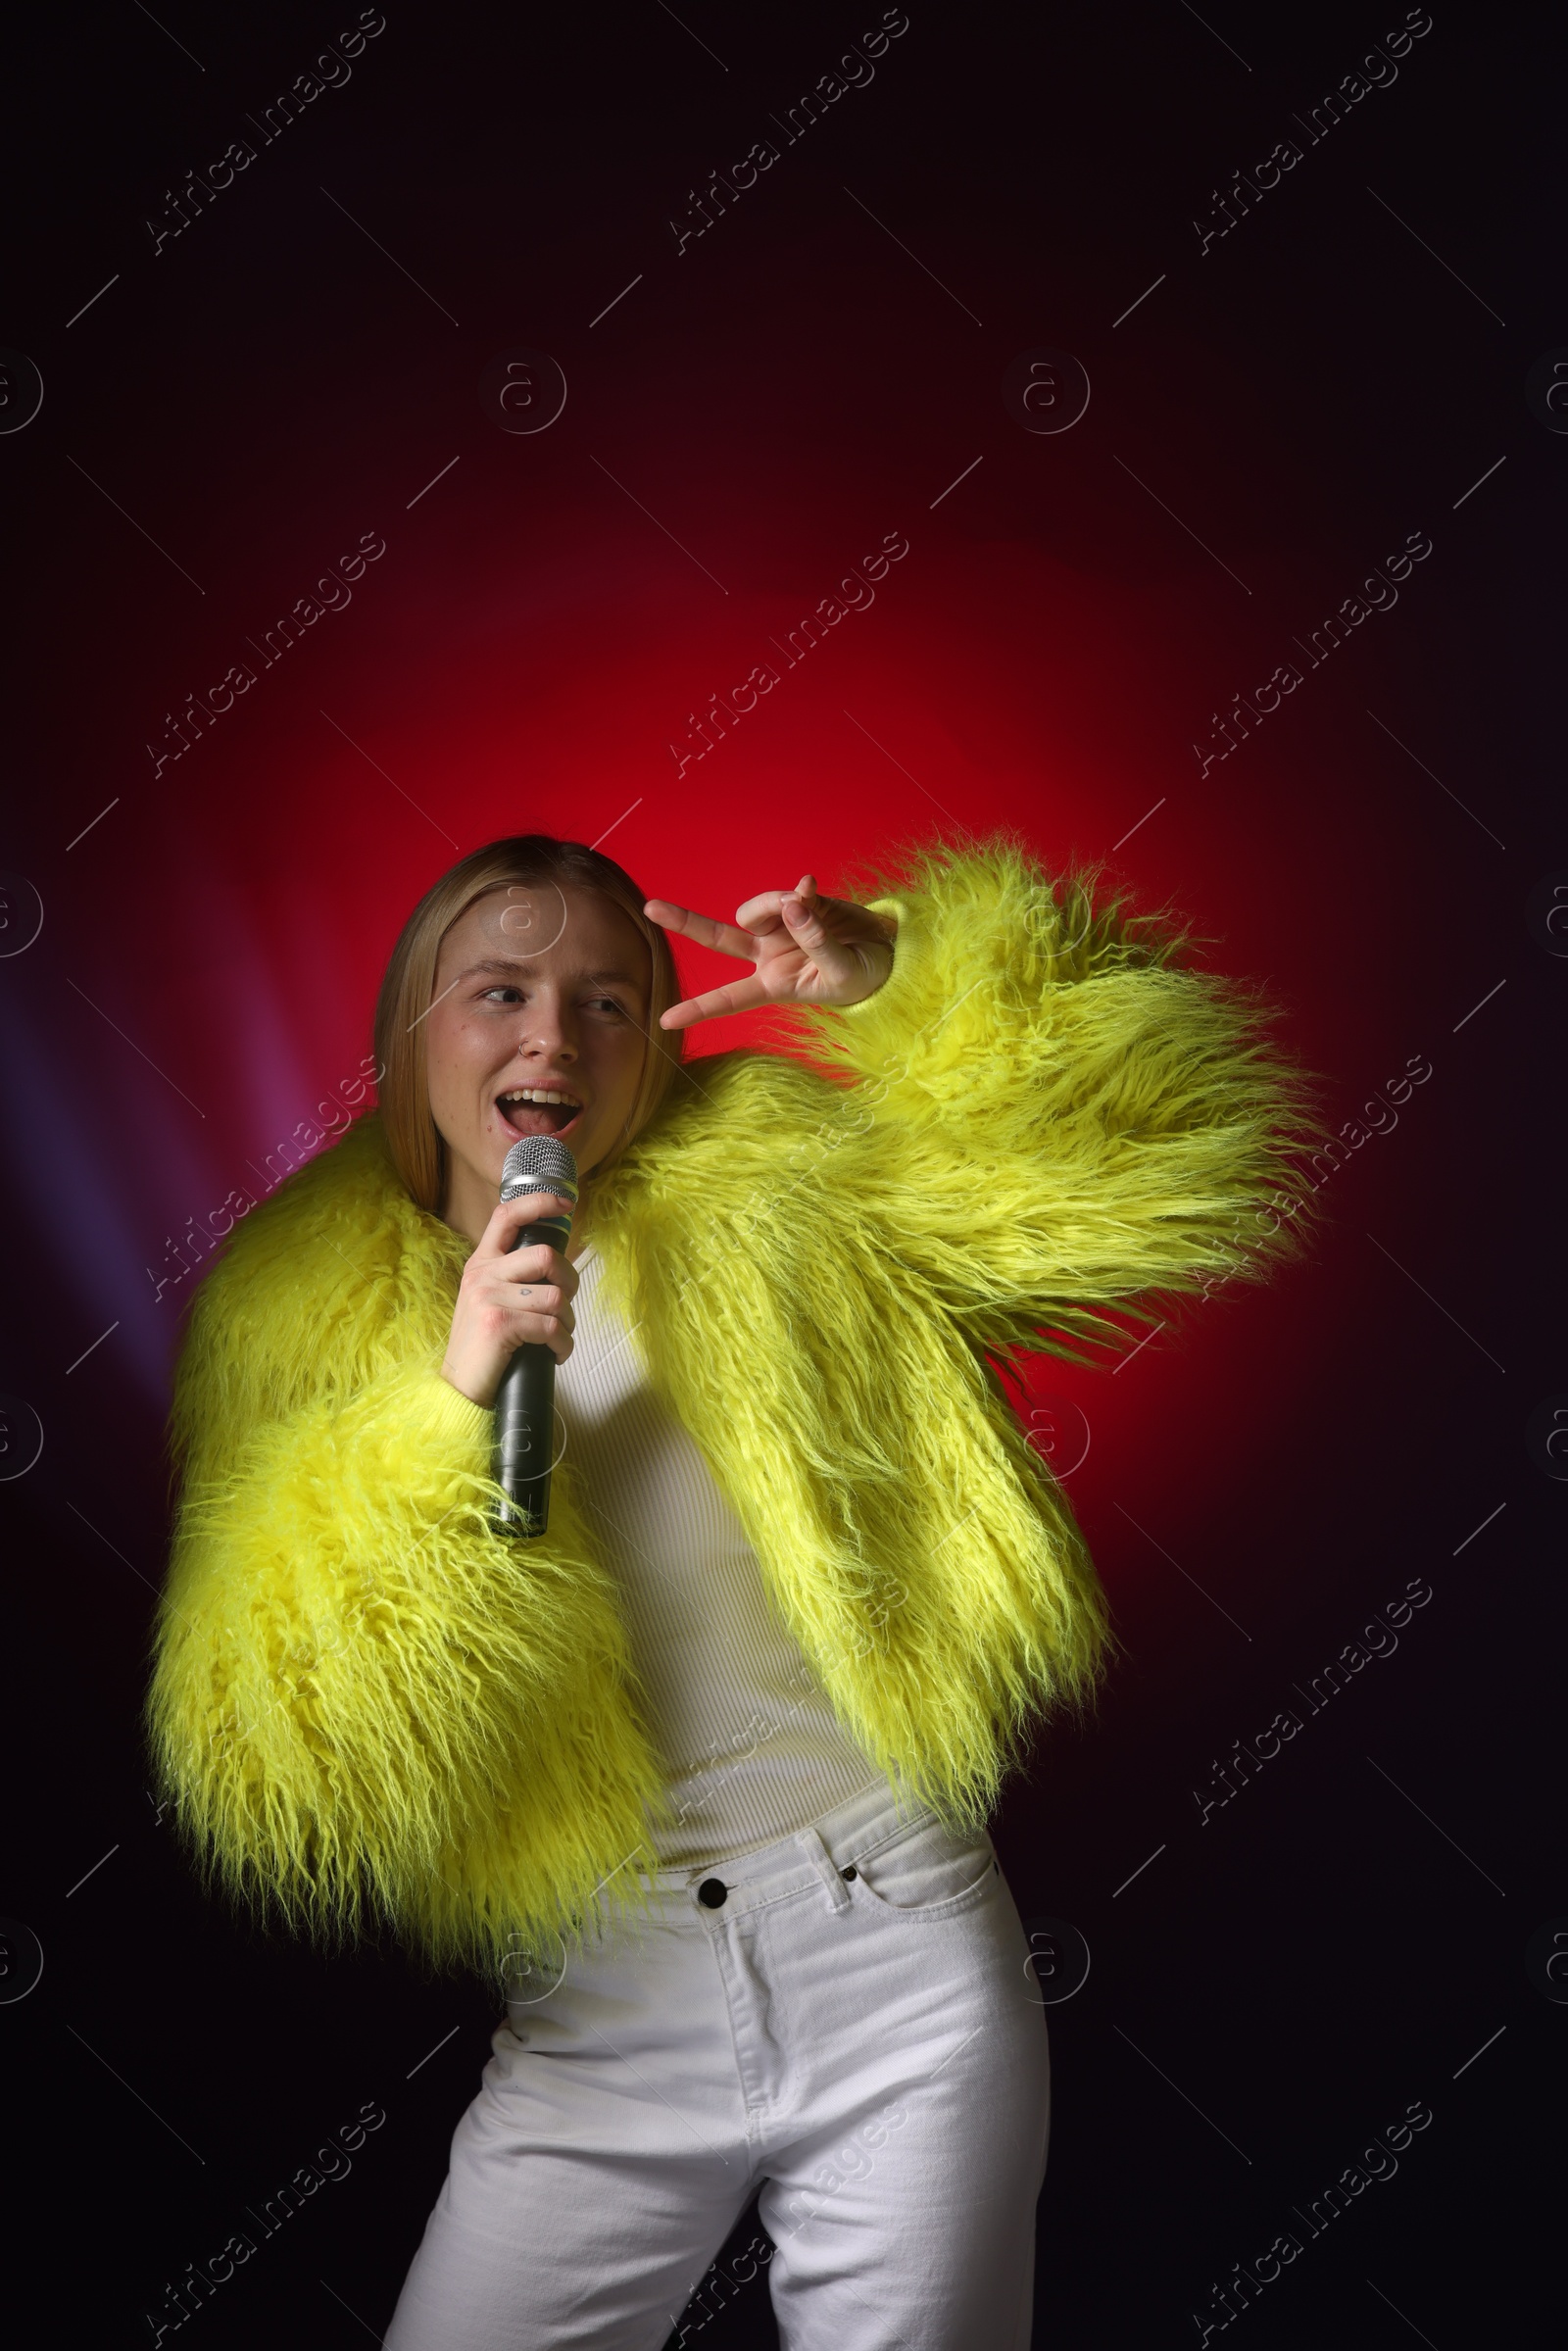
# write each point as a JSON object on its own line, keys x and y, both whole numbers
{"x": 711, "y": 1894}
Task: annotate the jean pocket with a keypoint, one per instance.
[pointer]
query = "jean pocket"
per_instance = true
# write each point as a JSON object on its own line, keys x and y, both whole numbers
{"x": 926, "y": 1867}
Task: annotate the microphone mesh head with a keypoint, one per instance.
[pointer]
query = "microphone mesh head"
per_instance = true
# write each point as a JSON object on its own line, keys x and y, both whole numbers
{"x": 539, "y": 1163}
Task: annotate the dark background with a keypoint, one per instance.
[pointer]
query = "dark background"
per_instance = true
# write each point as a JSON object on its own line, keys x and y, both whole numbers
{"x": 229, "y": 415}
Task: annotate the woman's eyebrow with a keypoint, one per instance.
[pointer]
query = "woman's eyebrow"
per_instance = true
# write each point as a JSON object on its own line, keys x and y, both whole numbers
{"x": 518, "y": 969}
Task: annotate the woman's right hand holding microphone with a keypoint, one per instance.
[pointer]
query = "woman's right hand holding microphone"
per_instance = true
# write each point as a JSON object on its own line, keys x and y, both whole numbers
{"x": 509, "y": 1297}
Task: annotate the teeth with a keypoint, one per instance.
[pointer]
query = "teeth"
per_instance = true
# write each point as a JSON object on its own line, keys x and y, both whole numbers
{"x": 539, "y": 1093}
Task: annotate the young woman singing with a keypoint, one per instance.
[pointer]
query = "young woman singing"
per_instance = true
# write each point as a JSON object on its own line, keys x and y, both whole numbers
{"x": 701, "y": 1775}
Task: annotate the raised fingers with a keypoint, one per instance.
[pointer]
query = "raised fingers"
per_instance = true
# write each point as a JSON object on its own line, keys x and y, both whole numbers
{"x": 766, "y": 911}
{"x": 724, "y": 937}
{"x": 741, "y": 996}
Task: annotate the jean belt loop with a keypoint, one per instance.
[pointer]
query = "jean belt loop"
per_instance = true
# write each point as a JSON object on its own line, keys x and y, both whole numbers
{"x": 822, "y": 1860}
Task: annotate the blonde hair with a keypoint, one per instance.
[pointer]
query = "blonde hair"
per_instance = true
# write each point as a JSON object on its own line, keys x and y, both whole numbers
{"x": 525, "y": 860}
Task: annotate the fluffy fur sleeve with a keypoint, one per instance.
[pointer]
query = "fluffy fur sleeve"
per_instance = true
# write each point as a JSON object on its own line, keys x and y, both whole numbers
{"x": 364, "y": 1706}
{"x": 1049, "y": 1110}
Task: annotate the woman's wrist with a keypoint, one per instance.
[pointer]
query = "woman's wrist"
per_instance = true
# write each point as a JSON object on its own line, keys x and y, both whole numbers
{"x": 453, "y": 1409}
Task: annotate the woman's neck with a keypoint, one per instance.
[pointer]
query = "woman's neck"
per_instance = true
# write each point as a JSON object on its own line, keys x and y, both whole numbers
{"x": 581, "y": 1226}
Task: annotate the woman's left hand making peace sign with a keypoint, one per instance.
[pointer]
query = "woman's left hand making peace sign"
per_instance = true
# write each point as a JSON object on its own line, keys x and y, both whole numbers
{"x": 806, "y": 948}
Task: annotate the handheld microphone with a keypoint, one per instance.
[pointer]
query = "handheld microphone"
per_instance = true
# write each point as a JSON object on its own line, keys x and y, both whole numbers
{"x": 521, "y": 1456}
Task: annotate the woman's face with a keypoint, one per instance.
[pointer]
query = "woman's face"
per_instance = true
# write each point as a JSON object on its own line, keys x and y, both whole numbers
{"x": 537, "y": 992}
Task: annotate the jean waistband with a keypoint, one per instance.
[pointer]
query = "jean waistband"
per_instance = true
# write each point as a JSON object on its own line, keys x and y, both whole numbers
{"x": 851, "y": 1829}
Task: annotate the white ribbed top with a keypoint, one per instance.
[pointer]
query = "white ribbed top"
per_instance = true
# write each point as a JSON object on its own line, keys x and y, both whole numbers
{"x": 753, "y": 1750}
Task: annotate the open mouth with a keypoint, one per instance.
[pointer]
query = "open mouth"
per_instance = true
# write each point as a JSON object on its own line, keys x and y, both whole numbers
{"x": 537, "y": 1111}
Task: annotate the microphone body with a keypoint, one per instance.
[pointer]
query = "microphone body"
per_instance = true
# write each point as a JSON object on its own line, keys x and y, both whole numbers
{"x": 522, "y": 1454}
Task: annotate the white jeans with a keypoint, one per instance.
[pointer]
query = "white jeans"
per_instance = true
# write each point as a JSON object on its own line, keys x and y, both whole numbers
{"x": 852, "y": 2029}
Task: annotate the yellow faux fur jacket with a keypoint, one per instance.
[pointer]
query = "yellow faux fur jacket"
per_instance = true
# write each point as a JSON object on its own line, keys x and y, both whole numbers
{"x": 367, "y": 1709}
